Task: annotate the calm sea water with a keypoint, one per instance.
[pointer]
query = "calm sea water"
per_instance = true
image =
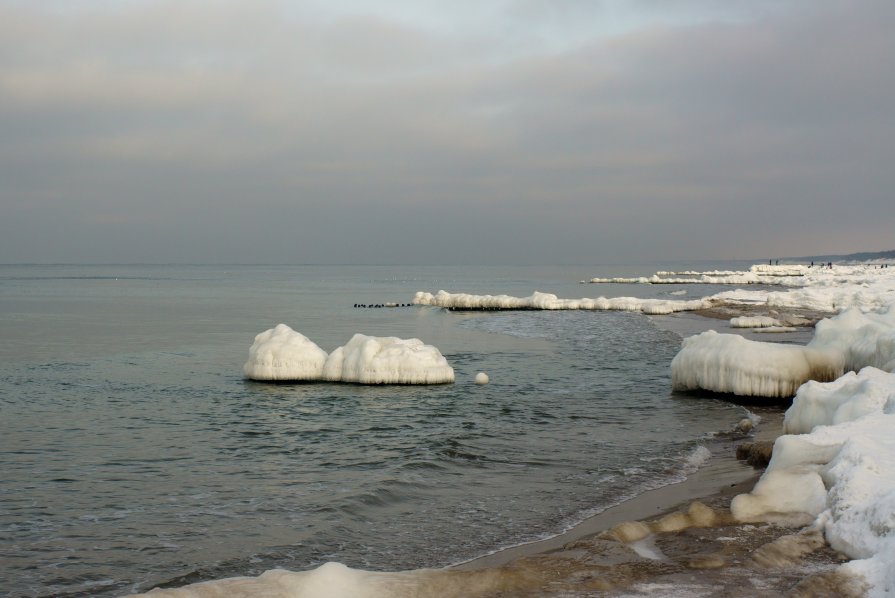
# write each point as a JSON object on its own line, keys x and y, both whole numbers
{"x": 134, "y": 453}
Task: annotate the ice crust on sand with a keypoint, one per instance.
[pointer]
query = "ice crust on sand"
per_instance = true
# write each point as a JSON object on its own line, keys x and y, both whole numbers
{"x": 837, "y": 466}
{"x": 729, "y": 363}
{"x": 282, "y": 354}
{"x": 387, "y": 360}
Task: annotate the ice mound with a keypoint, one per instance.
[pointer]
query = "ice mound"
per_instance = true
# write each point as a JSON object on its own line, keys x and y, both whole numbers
{"x": 729, "y": 363}
{"x": 284, "y": 354}
{"x": 387, "y": 360}
{"x": 549, "y": 301}
{"x": 838, "y": 465}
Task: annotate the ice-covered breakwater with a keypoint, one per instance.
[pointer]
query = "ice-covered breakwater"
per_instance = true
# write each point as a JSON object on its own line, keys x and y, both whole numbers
{"x": 549, "y": 301}
{"x": 284, "y": 355}
{"x": 830, "y": 290}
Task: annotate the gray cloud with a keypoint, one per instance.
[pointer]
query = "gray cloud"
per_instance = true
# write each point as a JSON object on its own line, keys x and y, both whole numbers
{"x": 259, "y": 132}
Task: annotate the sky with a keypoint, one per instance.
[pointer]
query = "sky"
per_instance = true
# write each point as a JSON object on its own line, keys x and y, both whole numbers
{"x": 433, "y": 132}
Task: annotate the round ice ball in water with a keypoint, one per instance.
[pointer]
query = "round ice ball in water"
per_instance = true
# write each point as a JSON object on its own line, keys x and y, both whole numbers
{"x": 481, "y": 378}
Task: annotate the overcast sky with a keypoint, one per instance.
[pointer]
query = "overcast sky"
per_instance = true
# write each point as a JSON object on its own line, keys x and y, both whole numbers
{"x": 462, "y": 132}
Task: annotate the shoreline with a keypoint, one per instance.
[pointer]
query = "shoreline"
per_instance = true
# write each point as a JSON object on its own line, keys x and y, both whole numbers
{"x": 715, "y": 478}
{"x": 770, "y": 559}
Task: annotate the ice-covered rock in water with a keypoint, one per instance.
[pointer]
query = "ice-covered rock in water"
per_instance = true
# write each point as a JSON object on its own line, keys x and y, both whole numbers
{"x": 729, "y": 363}
{"x": 754, "y": 322}
{"x": 284, "y": 354}
{"x": 841, "y": 449}
{"x": 481, "y": 378}
{"x": 387, "y": 360}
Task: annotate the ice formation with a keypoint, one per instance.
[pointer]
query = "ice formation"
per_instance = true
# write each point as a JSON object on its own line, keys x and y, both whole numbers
{"x": 549, "y": 301}
{"x": 837, "y": 466}
{"x": 282, "y": 354}
{"x": 732, "y": 364}
{"x": 754, "y": 322}
{"x": 387, "y": 360}
{"x": 729, "y": 363}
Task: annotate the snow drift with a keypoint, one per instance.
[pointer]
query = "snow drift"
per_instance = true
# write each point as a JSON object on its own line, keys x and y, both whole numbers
{"x": 282, "y": 354}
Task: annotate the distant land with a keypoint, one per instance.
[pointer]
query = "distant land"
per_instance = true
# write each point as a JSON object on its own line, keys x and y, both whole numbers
{"x": 854, "y": 257}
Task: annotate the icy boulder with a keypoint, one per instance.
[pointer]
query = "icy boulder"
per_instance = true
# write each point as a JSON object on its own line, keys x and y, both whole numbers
{"x": 284, "y": 354}
{"x": 729, "y": 363}
{"x": 387, "y": 360}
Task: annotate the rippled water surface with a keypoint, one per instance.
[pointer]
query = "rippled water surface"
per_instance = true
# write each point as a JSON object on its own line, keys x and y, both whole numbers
{"x": 134, "y": 453}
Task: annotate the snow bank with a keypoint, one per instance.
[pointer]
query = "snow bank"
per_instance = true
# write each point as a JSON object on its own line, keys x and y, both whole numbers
{"x": 548, "y": 301}
{"x": 283, "y": 354}
{"x": 729, "y": 363}
{"x": 387, "y": 360}
{"x": 837, "y": 465}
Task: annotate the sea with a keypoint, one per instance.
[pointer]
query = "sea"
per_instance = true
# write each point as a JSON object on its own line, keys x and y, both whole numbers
{"x": 135, "y": 454}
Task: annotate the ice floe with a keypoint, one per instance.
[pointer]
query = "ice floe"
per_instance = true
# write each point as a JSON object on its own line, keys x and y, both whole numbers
{"x": 282, "y": 354}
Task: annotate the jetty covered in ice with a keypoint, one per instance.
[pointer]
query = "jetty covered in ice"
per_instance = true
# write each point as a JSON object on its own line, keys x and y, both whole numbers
{"x": 281, "y": 354}
{"x": 818, "y": 289}
{"x": 549, "y": 301}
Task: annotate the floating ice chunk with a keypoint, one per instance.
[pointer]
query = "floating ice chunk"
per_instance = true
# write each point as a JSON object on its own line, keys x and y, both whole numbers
{"x": 754, "y": 322}
{"x": 730, "y": 363}
{"x": 284, "y": 354}
{"x": 387, "y": 360}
